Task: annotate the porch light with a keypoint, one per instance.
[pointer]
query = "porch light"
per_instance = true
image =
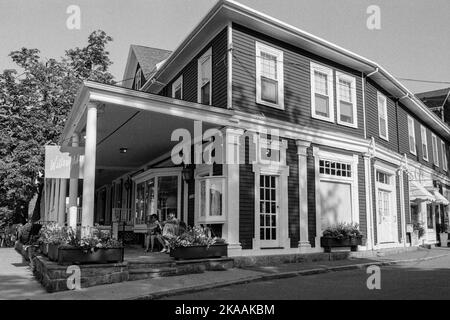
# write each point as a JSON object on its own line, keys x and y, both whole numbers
{"x": 123, "y": 150}
{"x": 188, "y": 173}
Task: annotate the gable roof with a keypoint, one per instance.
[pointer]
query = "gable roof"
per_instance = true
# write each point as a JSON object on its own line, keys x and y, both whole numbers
{"x": 440, "y": 93}
{"x": 226, "y": 11}
{"x": 148, "y": 59}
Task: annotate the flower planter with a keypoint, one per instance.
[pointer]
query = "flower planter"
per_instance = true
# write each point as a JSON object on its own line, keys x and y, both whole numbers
{"x": 70, "y": 255}
{"x": 328, "y": 243}
{"x": 199, "y": 252}
{"x": 443, "y": 239}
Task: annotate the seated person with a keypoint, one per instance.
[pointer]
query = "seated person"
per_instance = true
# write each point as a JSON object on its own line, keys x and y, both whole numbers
{"x": 170, "y": 230}
{"x": 154, "y": 231}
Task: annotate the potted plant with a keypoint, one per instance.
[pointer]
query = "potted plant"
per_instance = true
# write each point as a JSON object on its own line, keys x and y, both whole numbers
{"x": 195, "y": 243}
{"x": 67, "y": 246}
{"x": 443, "y": 235}
{"x": 418, "y": 232}
{"x": 341, "y": 235}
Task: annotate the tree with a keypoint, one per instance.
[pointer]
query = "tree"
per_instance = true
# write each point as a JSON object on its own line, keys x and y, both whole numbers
{"x": 33, "y": 108}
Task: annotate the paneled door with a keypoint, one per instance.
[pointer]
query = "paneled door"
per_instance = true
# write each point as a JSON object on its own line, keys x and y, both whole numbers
{"x": 268, "y": 211}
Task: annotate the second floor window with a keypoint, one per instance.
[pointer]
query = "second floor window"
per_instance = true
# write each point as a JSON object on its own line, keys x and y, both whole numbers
{"x": 138, "y": 80}
{"x": 346, "y": 99}
{"x": 444, "y": 156}
{"x": 411, "y": 135}
{"x": 205, "y": 78}
{"x": 177, "y": 88}
{"x": 435, "y": 149}
{"x": 269, "y": 76}
{"x": 382, "y": 116}
{"x": 322, "y": 92}
{"x": 423, "y": 136}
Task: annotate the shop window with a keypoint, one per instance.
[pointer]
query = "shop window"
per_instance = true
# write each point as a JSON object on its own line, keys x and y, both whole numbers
{"x": 210, "y": 190}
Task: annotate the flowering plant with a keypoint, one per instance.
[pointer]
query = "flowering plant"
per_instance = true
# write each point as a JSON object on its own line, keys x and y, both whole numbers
{"x": 342, "y": 230}
{"x": 194, "y": 236}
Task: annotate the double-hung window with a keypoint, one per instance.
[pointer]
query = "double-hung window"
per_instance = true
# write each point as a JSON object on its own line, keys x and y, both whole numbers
{"x": 177, "y": 88}
{"x": 382, "y": 116}
{"x": 269, "y": 76}
{"x": 444, "y": 156}
{"x": 205, "y": 78}
{"x": 322, "y": 100}
{"x": 412, "y": 135}
{"x": 434, "y": 145}
{"x": 346, "y": 100}
{"x": 423, "y": 136}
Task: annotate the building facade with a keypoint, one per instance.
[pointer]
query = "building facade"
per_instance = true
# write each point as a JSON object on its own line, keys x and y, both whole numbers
{"x": 322, "y": 136}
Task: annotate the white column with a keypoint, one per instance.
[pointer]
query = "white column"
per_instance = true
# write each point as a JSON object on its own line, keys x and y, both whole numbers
{"x": 73, "y": 193}
{"x": 62, "y": 202}
{"x": 87, "y": 218}
{"x": 402, "y": 206}
{"x": 302, "y": 148}
{"x": 56, "y": 201}
{"x": 52, "y": 200}
{"x": 230, "y": 229}
{"x": 369, "y": 205}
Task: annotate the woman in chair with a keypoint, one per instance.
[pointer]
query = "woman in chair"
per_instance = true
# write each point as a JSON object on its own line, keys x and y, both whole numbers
{"x": 154, "y": 232}
{"x": 170, "y": 230}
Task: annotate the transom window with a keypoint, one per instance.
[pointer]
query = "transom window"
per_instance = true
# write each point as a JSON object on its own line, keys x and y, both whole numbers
{"x": 382, "y": 116}
{"x": 434, "y": 145}
{"x": 412, "y": 135}
{"x": 205, "y": 78}
{"x": 322, "y": 93}
{"x": 346, "y": 100}
{"x": 334, "y": 168}
{"x": 177, "y": 88}
{"x": 269, "y": 76}
{"x": 423, "y": 135}
{"x": 383, "y": 177}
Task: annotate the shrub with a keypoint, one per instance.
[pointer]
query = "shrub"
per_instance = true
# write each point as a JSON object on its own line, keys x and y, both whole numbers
{"x": 417, "y": 226}
{"x": 194, "y": 236}
{"x": 342, "y": 230}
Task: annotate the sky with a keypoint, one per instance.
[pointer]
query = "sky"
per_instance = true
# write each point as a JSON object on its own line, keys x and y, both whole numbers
{"x": 413, "y": 40}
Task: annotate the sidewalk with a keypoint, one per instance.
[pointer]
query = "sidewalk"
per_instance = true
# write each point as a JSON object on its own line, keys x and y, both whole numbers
{"x": 156, "y": 288}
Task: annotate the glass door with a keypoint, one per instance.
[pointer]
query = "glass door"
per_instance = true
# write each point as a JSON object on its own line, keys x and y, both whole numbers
{"x": 268, "y": 211}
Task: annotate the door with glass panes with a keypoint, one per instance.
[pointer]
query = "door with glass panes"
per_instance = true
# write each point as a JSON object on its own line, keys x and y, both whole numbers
{"x": 268, "y": 211}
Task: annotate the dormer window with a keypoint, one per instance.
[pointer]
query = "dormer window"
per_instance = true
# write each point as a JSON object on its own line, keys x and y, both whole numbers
{"x": 138, "y": 79}
{"x": 177, "y": 88}
{"x": 205, "y": 78}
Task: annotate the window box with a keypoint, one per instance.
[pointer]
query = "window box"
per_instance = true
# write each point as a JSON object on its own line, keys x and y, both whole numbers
{"x": 71, "y": 255}
{"x": 353, "y": 242}
{"x": 199, "y": 252}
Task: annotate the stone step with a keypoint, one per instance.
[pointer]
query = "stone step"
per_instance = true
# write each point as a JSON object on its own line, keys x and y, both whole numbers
{"x": 139, "y": 274}
{"x": 149, "y": 265}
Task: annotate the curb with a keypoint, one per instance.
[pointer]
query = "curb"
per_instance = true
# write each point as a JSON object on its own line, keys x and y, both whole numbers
{"x": 281, "y": 275}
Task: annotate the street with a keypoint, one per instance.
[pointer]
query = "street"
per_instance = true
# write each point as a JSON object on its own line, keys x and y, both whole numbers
{"x": 418, "y": 280}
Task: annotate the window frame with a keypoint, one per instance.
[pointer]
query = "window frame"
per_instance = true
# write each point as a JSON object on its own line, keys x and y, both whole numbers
{"x": 412, "y": 125}
{"x": 178, "y": 81}
{"x": 261, "y": 47}
{"x": 434, "y": 145}
{"x": 205, "y": 56}
{"x": 444, "y": 156}
{"x": 379, "y": 94}
{"x": 423, "y": 138}
{"x": 352, "y": 80}
{"x": 330, "y": 87}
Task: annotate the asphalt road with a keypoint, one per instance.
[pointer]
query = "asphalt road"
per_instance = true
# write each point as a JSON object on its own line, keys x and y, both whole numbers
{"x": 419, "y": 280}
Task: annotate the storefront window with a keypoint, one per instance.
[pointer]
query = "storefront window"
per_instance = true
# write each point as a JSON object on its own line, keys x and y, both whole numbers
{"x": 211, "y": 190}
{"x": 167, "y": 196}
{"x": 140, "y": 203}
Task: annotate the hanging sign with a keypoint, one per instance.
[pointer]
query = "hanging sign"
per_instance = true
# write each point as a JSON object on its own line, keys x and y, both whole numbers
{"x": 64, "y": 162}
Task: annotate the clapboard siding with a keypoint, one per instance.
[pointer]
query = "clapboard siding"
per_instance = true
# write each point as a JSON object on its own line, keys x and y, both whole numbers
{"x": 219, "y": 73}
{"x": 372, "y": 117}
{"x": 297, "y": 86}
{"x": 293, "y": 193}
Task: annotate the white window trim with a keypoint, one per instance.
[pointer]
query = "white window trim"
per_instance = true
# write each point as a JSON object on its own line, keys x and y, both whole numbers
{"x": 346, "y": 77}
{"x": 260, "y": 47}
{"x": 414, "y": 151}
{"x": 329, "y": 72}
{"x": 353, "y": 181}
{"x": 444, "y": 156}
{"x": 387, "y": 118}
{"x": 205, "y": 56}
{"x": 423, "y": 138}
{"x": 175, "y": 84}
{"x": 434, "y": 145}
{"x": 207, "y": 219}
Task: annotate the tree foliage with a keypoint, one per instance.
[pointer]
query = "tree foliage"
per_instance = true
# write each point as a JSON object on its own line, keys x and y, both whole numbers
{"x": 34, "y": 105}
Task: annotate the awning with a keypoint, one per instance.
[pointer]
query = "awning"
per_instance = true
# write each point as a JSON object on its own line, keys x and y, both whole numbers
{"x": 440, "y": 199}
{"x": 417, "y": 192}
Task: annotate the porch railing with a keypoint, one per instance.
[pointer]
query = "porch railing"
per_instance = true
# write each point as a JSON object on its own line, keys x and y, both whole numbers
{"x": 122, "y": 215}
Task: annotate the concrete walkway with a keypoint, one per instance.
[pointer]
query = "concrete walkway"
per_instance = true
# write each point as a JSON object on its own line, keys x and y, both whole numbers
{"x": 16, "y": 279}
{"x": 21, "y": 285}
